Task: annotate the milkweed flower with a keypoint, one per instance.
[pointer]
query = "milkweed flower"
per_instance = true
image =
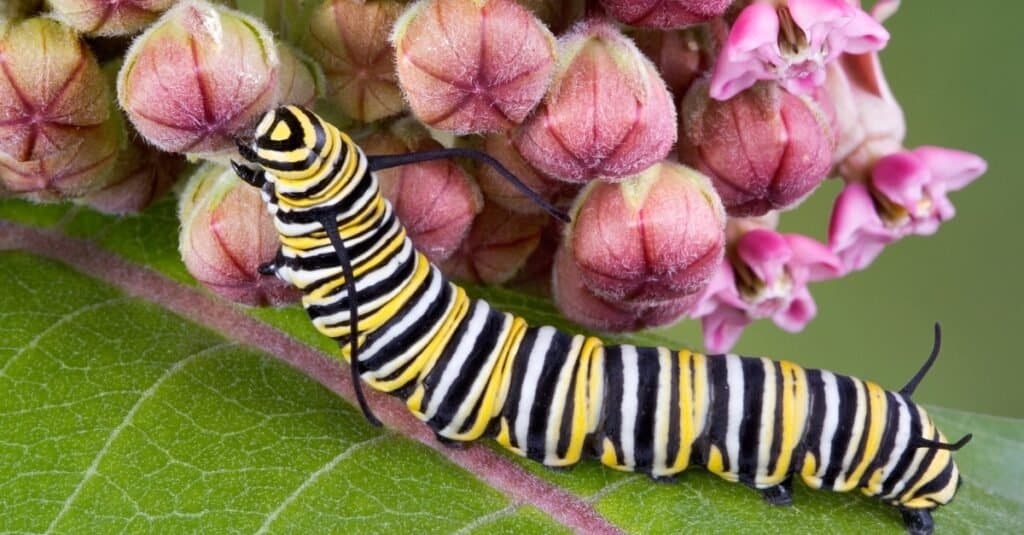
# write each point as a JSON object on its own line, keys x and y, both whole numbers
{"x": 497, "y": 247}
{"x": 665, "y": 14}
{"x": 500, "y": 191}
{"x": 472, "y": 66}
{"x": 607, "y": 114}
{"x": 140, "y": 175}
{"x": 108, "y": 17}
{"x": 791, "y": 41}
{"x": 764, "y": 276}
{"x": 300, "y": 79}
{"x": 906, "y": 194}
{"x": 198, "y": 76}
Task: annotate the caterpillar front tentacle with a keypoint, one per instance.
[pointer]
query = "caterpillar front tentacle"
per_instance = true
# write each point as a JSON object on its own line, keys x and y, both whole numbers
{"x": 469, "y": 371}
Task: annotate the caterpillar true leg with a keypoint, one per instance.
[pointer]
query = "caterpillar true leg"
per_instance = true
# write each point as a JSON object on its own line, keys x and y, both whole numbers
{"x": 470, "y": 371}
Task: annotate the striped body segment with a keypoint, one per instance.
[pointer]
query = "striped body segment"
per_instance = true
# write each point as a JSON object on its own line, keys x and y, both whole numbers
{"x": 469, "y": 371}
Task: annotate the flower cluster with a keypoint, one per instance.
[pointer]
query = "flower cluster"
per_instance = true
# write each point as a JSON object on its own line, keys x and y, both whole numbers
{"x": 676, "y": 133}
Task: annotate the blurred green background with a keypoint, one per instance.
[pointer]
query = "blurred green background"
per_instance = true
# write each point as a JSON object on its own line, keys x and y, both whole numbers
{"x": 956, "y": 68}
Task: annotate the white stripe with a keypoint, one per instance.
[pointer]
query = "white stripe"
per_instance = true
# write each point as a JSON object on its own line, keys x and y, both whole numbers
{"x": 769, "y": 401}
{"x": 734, "y": 378}
{"x": 483, "y": 377}
{"x": 414, "y": 314}
{"x": 831, "y": 423}
{"x": 902, "y": 438}
{"x": 462, "y": 352}
{"x": 859, "y": 427}
{"x": 663, "y": 412}
{"x": 630, "y": 402}
{"x": 528, "y": 387}
{"x": 560, "y": 399}
{"x": 919, "y": 455}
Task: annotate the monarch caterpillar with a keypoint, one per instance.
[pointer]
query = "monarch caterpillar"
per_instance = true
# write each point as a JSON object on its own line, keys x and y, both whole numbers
{"x": 468, "y": 370}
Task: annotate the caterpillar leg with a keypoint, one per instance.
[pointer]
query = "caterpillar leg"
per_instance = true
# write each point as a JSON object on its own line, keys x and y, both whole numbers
{"x": 918, "y": 521}
{"x": 449, "y": 443}
{"x": 269, "y": 269}
{"x": 781, "y": 494}
{"x": 665, "y": 479}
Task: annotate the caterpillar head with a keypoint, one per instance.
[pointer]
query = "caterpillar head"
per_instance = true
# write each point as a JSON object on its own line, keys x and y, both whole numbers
{"x": 292, "y": 144}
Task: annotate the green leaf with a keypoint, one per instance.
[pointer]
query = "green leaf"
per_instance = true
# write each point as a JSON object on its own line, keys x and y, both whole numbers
{"x": 118, "y": 414}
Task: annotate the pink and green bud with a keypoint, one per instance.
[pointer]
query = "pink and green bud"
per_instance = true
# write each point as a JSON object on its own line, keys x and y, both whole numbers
{"x": 435, "y": 200}
{"x": 300, "y": 79}
{"x": 226, "y": 233}
{"x": 59, "y": 128}
{"x": 906, "y": 194}
{"x": 197, "y": 77}
{"x": 577, "y": 303}
{"x": 472, "y": 66}
{"x": 108, "y": 17}
{"x": 140, "y": 176}
{"x": 500, "y": 191}
{"x": 765, "y": 275}
{"x": 764, "y": 149}
{"x": 349, "y": 38}
{"x": 665, "y": 14}
{"x": 680, "y": 56}
{"x": 869, "y": 121}
{"x": 497, "y": 247}
{"x": 791, "y": 42}
{"x": 607, "y": 114}
{"x": 655, "y": 237}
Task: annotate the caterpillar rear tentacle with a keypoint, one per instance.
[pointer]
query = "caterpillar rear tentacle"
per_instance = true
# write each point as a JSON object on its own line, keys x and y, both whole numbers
{"x": 469, "y": 371}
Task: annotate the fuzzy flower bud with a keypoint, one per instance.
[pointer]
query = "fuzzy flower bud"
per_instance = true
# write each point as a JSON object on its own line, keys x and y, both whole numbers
{"x": 197, "y": 76}
{"x": 500, "y": 191}
{"x": 869, "y": 121}
{"x": 791, "y": 41}
{"x": 655, "y": 237}
{"x": 497, "y": 246}
{"x": 349, "y": 38}
{"x": 300, "y": 79}
{"x": 472, "y": 65}
{"x": 665, "y": 14}
{"x": 140, "y": 176}
{"x": 226, "y": 233}
{"x": 435, "y": 200}
{"x": 681, "y": 56}
{"x": 558, "y": 15}
{"x": 579, "y": 304}
{"x": 906, "y": 194}
{"x": 764, "y": 149}
{"x": 108, "y": 17}
{"x": 59, "y": 131}
{"x": 607, "y": 114}
{"x": 764, "y": 276}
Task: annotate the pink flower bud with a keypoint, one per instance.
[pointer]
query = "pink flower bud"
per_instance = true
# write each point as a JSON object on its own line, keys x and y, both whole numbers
{"x": 497, "y": 246}
{"x": 140, "y": 176}
{"x": 607, "y": 115}
{"x": 869, "y": 121}
{"x": 680, "y": 56}
{"x": 579, "y": 304}
{"x": 198, "y": 76}
{"x": 435, "y": 200}
{"x": 108, "y": 17}
{"x": 791, "y": 42}
{"x": 349, "y": 38}
{"x": 764, "y": 149}
{"x": 665, "y": 14}
{"x": 300, "y": 79}
{"x": 472, "y": 65}
{"x": 226, "y": 233}
{"x": 59, "y": 129}
{"x": 655, "y": 237}
{"x": 498, "y": 190}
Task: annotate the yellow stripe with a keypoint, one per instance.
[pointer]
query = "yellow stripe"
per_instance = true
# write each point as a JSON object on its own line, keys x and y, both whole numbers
{"x": 382, "y": 315}
{"x": 425, "y": 361}
{"x": 319, "y": 294}
{"x": 489, "y": 398}
{"x": 592, "y": 347}
{"x": 595, "y": 395}
{"x": 794, "y": 415}
{"x": 879, "y": 416}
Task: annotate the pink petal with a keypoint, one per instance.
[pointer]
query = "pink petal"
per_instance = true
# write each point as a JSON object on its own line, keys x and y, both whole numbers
{"x": 755, "y": 33}
{"x": 955, "y": 168}
{"x": 721, "y": 289}
{"x": 723, "y": 328}
{"x": 902, "y": 177}
{"x": 856, "y": 233}
{"x": 812, "y": 261}
{"x": 811, "y": 14}
{"x": 800, "y": 311}
{"x": 765, "y": 252}
{"x": 863, "y": 34}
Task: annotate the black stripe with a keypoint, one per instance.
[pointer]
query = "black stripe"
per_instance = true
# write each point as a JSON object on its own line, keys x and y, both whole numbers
{"x": 811, "y": 441}
{"x": 887, "y": 446}
{"x": 433, "y": 315}
{"x": 614, "y": 383}
{"x": 648, "y": 367}
{"x": 396, "y": 280}
{"x": 863, "y": 445}
{"x": 750, "y": 425}
{"x": 780, "y": 393}
{"x": 907, "y": 456}
{"x": 674, "y": 432}
{"x": 314, "y": 214}
{"x": 332, "y": 176}
{"x": 511, "y": 409}
{"x": 718, "y": 416}
{"x": 568, "y": 416}
{"x": 844, "y": 431}
{"x": 555, "y": 359}
{"x": 295, "y": 133}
